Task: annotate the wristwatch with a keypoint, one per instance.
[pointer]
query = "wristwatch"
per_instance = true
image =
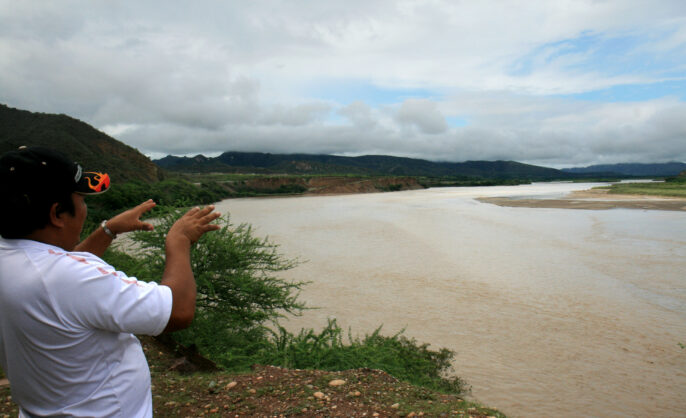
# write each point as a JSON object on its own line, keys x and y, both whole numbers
{"x": 108, "y": 231}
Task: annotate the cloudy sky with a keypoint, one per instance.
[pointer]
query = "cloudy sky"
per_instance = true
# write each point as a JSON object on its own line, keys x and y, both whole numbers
{"x": 555, "y": 83}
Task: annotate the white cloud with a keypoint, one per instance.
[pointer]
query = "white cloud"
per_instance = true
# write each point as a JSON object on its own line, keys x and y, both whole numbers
{"x": 422, "y": 114}
{"x": 173, "y": 77}
{"x": 360, "y": 114}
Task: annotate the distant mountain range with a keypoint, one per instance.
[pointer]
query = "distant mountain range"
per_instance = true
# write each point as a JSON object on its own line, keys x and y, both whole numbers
{"x": 253, "y": 162}
{"x": 93, "y": 149}
{"x": 632, "y": 169}
{"x": 96, "y": 150}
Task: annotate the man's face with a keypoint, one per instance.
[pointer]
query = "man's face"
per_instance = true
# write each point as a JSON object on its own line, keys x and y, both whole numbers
{"x": 74, "y": 224}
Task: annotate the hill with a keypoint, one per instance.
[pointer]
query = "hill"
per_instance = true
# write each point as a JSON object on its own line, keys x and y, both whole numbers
{"x": 381, "y": 165}
{"x": 631, "y": 169}
{"x": 93, "y": 149}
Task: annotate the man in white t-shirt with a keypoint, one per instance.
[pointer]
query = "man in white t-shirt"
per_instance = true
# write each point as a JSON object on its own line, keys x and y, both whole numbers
{"x": 67, "y": 318}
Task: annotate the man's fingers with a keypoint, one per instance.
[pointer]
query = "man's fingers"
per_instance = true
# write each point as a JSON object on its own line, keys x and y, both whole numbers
{"x": 210, "y": 217}
{"x": 204, "y": 211}
{"x": 205, "y": 214}
{"x": 192, "y": 211}
{"x": 196, "y": 222}
{"x": 144, "y": 226}
{"x": 145, "y": 206}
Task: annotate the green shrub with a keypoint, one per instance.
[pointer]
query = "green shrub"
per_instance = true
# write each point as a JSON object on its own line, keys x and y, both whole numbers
{"x": 238, "y": 290}
{"x": 397, "y": 355}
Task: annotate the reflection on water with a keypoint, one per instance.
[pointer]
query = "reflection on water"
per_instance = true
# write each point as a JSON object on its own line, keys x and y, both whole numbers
{"x": 552, "y": 312}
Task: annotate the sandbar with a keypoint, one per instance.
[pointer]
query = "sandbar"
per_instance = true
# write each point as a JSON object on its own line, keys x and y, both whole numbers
{"x": 594, "y": 199}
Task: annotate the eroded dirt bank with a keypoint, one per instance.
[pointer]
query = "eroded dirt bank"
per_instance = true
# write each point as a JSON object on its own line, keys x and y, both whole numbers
{"x": 335, "y": 184}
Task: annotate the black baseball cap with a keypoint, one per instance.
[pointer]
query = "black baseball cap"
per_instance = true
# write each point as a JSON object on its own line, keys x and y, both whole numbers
{"x": 37, "y": 169}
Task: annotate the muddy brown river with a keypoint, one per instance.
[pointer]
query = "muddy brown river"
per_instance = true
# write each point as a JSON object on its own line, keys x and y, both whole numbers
{"x": 552, "y": 312}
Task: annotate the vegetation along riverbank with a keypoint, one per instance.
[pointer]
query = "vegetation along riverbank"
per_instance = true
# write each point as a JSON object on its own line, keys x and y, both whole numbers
{"x": 667, "y": 195}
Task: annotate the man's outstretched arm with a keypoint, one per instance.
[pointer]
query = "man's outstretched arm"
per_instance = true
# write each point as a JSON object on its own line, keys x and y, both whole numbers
{"x": 98, "y": 241}
{"x": 178, "y": 275}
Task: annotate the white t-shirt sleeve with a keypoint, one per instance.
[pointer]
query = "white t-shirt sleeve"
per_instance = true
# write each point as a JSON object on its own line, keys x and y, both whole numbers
{"x": 92, "y": 294}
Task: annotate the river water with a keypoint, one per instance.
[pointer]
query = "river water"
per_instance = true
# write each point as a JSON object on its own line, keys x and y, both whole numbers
{"x": 552, "y": 312}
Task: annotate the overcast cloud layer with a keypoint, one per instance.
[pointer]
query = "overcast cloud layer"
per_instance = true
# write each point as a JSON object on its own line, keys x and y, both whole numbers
{"x": 554, "y": 83}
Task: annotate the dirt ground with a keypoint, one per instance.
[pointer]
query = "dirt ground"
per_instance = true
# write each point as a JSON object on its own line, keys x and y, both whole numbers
{"x": 269, "y": 391}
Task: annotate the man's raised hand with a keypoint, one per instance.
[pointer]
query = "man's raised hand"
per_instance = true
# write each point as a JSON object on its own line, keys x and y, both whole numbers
{"x": 194, "y": 224}
{"x": 130, "y": 220}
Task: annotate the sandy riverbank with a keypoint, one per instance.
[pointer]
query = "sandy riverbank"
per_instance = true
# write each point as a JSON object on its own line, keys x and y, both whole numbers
{"x": 594, "y": 199}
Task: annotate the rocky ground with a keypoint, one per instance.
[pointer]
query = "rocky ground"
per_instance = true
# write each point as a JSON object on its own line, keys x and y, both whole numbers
{"x": 270, "y": 391}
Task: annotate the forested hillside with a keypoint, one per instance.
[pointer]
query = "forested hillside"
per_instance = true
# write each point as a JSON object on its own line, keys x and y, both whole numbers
{"x": 381, "y": 165}
{"x": 93, "y": 149}
{"x": 636, "y": 169}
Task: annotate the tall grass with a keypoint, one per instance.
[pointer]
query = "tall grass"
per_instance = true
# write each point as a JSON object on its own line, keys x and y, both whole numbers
{"x": 398, "y": 355}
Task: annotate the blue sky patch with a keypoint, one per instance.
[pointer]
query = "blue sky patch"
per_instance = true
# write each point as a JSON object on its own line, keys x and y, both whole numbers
{"x": 346, "y": 92}
{"x": 629, "y": 54}
{"x": 456, "y": 121}
{"x": 635, "y": 92}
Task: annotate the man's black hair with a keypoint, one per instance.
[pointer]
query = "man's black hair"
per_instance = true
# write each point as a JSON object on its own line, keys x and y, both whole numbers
{"x": 23, "y": 213}
{"x": 32, "y": 180}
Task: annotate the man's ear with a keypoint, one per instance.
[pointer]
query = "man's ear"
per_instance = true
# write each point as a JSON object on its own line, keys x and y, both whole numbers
{"x": 56, "y": 219}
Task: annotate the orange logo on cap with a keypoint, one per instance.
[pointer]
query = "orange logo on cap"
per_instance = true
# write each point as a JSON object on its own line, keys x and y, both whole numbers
{"x": 103, "y": 180}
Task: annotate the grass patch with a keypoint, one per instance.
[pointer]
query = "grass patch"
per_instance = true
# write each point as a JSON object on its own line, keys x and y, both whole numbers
{"x": 667, "y": 189}
{"x": 402, "y": 357}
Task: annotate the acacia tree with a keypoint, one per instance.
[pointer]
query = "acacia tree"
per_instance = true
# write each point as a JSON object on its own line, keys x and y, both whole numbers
{"x": 239, "y": 290}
